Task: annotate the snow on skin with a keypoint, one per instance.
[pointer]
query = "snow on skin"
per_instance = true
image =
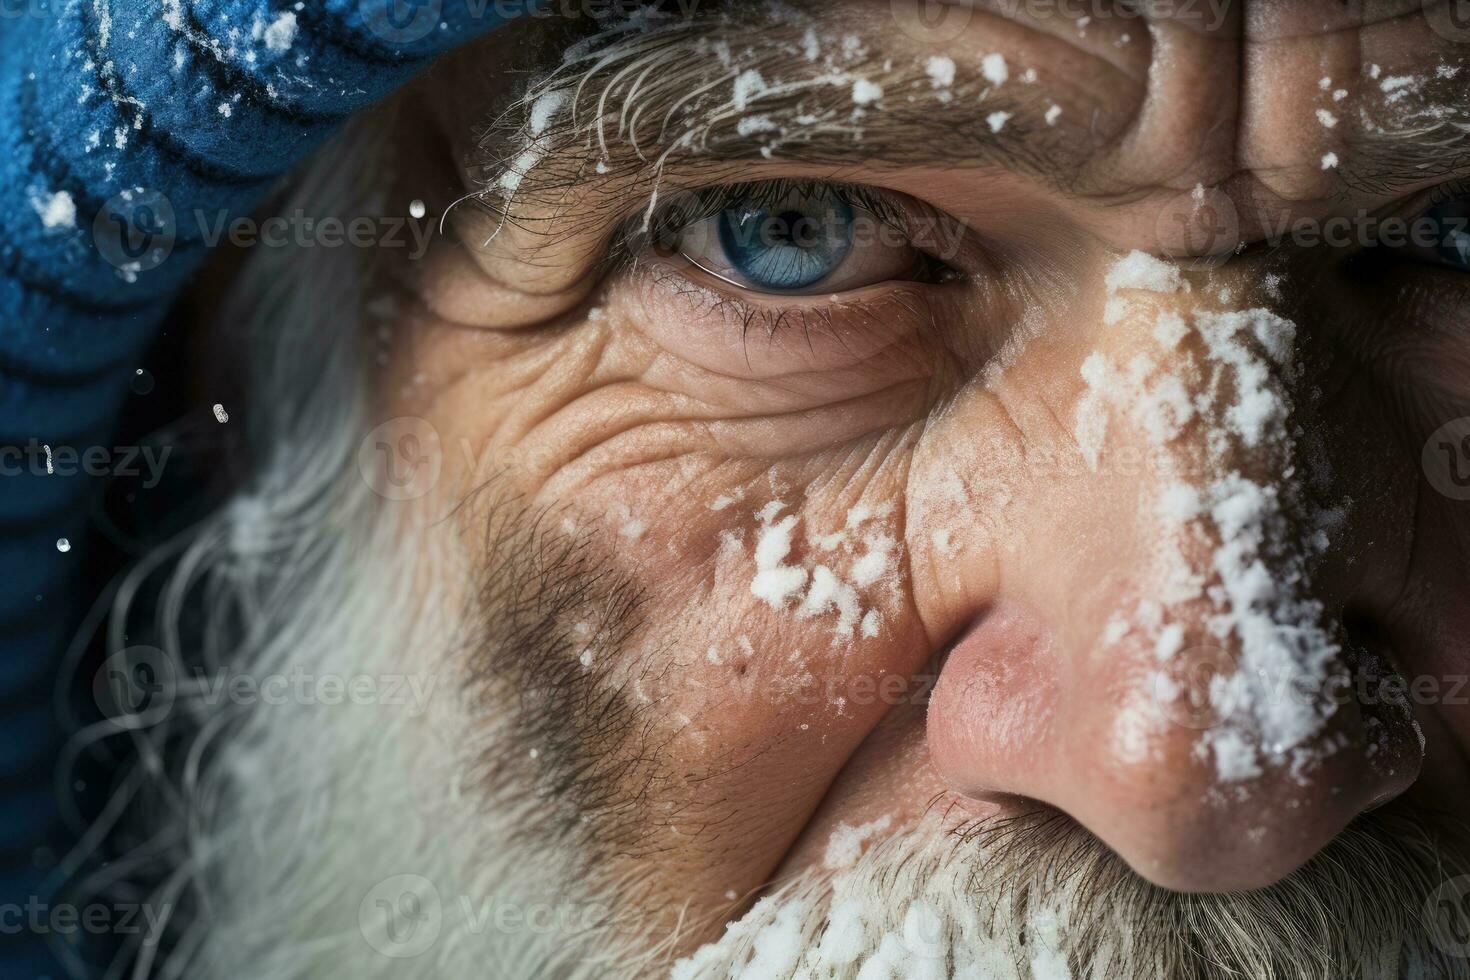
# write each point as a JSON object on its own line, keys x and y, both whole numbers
{"x": 822, "y": 589}
{"x": 940, "y": 71}
{"x": 775, "y": 581}
{"x": 1260, "y": 567}
{"x": 993, "y": 67}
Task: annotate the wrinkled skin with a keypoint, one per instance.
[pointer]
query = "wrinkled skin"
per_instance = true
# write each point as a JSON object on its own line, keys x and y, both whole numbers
{"x": 655, "y": 427}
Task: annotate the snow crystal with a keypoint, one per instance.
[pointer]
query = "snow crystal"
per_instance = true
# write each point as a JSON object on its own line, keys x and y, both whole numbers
{"x": 873, "y": 565}
{"x": 545, "y": 109}
{"x": 775, "y": 581}
{"x": 281, "y": 34}
{"x": 748, "y": 85}
{"x": 940, "y": 70}
{"x": 845, "y": 845}
{"x": 1235, "y": 758}
{"x": 811, "y": 48}
{"x": 56, "y": 210}
{"x": 750, "y": 125}
{"x": 1139, "y": 270}
{"x": 993, "y": 67}
{"x": 865, "y": 92}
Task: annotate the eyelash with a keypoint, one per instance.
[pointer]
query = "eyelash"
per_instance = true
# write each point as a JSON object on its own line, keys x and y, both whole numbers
{"x": 1460, "y": 187}
{"x": 876, "y": 315}
{"x": 1378, "y": 259}
{"x": 659, "y": 228}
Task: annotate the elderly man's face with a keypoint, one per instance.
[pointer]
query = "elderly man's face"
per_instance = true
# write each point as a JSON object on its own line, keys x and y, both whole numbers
{"x": 1008, "y": 412}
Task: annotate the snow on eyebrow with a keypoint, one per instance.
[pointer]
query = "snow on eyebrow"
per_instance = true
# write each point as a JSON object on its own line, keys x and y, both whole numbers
{"x": 643, "y": 93}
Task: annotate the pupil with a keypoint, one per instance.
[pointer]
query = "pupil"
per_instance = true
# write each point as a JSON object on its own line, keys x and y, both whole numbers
{"x": 789, "y": 247}
{"x": 793, "y": 229}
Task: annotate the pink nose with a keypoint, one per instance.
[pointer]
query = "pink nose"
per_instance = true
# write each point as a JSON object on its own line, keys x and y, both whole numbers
{"x": 1043, "y": 706}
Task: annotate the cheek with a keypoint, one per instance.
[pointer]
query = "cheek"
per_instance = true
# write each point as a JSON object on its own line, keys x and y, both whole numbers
{"x": 763, "y": 523}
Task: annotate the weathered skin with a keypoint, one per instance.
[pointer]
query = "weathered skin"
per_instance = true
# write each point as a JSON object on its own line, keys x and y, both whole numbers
{"x": 635, "y": 423}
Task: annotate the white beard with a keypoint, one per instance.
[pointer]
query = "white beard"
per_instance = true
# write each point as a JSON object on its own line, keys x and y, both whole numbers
{"x": 310, "y": 841}
{"x": 1051, "y": 903}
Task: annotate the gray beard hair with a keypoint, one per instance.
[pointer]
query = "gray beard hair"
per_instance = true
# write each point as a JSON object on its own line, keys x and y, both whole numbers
{"x": 1038, "y": 898}
{"x": 309, "y": 842}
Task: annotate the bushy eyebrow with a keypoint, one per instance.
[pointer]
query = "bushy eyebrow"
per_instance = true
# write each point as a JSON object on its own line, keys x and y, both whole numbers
{"x": 730, "y": 88}
{"x": 712, "y": 92}
{"x": 1431, "y": 144}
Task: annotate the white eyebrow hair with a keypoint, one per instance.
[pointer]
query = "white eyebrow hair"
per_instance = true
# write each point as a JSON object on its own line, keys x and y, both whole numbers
{"x": 733, "y": 86}
{"x": 736, "y": 85}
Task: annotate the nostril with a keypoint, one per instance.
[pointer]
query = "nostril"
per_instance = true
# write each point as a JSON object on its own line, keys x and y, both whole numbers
{"x": 1026, "y": 723}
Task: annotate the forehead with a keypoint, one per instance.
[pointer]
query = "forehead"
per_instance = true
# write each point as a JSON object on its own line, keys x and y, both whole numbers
{"x": 1252, "y": 113}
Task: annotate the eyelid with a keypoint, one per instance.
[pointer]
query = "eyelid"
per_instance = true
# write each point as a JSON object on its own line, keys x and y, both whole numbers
{"x": 1432, "y": 197}
{"x": 927, "y": 229}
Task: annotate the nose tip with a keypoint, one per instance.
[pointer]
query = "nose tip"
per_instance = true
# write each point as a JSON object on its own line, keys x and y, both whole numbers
{"x": 1148, "y": 765}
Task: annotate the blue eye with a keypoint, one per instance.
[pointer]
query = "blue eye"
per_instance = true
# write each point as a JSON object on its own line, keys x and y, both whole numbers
{"x": 778, "y": 238}
{"x": 1440, "y": 235}
{"x": 791, "y": 245}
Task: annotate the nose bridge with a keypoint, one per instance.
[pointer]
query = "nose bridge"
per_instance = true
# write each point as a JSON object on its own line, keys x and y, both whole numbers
{"x": 1177, "y": 691}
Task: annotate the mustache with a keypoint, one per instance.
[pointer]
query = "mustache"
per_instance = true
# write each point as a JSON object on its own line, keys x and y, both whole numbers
{"x": 1035, "y": 895}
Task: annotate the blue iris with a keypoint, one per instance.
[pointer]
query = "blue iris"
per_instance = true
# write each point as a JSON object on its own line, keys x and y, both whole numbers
{"x": 1452, "y": 221}
{"x": 790, "y": 245}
